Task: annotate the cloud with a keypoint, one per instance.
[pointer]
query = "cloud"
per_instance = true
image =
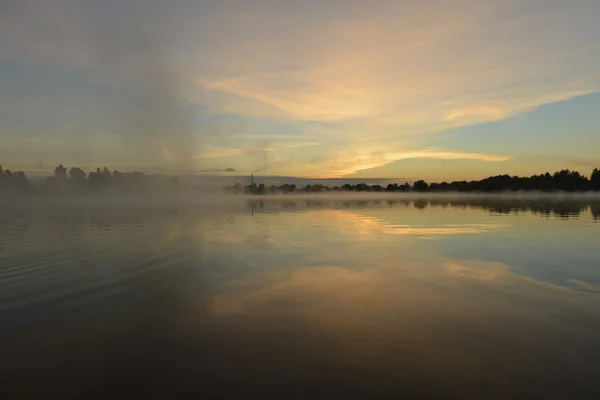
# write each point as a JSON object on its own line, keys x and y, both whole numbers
{"x": 251, "y": 151}
{"x": 407, "y": 74}
{"x": 347, "y": 164}
{"x": 258, "y": 157}
{"x": 295, "y": 145}
{"x": 477, "y": 113}
{"x": 219, "y": 153}
{"x": 217, "y": 170}
{"x": 508, "y": 103}
{"x": 589, "y": 286}
{"x": 60, "y": 133}
{"x": 448, "y": 155}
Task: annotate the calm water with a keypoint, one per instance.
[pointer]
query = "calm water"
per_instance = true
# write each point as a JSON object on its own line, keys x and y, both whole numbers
{"x": 318, "y": 299}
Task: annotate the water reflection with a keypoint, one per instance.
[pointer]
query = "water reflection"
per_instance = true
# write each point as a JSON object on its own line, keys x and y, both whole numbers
{"x": 368, "y": 226}
{"x": 595, "y": 209}
{"x": 570, "y": 208}
{"x": 330, "y": 299}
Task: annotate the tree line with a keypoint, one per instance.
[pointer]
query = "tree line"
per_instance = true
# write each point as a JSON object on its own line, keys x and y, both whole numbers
{"x": 75, "y": 180}
{"x": 561, "y": 181}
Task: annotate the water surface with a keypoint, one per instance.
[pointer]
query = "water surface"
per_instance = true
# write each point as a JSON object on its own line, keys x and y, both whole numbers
{"x": 471, "y": 298}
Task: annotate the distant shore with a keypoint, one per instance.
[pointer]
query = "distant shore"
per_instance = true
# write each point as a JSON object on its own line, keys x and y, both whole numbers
{"x": 561, "y": 181}
{"x": 102, "y": 180}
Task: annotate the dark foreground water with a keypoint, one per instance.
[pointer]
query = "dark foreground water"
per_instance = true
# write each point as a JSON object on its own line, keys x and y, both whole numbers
{"x": 306, "y": 299}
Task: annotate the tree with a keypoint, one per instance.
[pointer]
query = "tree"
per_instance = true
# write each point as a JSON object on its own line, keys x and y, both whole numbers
{"x": 570, "y": 181}
{"x": 20, "y": 180}
{"x": 363, "y": 187}
{"x": 77, "y": 174}
{"x": 60, "y": 171}
{"x": 286, "y": 188}
{"x": 595, "y": 179}
{"x": 420, "y": 186}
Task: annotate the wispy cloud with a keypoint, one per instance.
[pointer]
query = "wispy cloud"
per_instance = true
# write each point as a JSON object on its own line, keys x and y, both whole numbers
{"x": 448, "y": 155}
{"x": 210, "y": 170}
{"x": 295, "y": 145}
{"x": 343, "y": 165}
{"x": 482, "y": 112}
{"x": 370, "y": 73}
{"x": 252, "y": 150}
{"x": 592, "y": 287}
{"x": 219, "y": 153}
{"x": 59, "y": 133}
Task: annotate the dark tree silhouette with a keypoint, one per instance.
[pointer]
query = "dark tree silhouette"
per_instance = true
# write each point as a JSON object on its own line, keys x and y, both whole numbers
{"x": 595, "y": 179}
{"x": 13, "y": 181}
{"x": 100, "y": 180}
{"x": 565, "y": 180}
{"x": 420, "y": 186}
{"x": 77, "y": 174}
{"x": 60, "y": 171}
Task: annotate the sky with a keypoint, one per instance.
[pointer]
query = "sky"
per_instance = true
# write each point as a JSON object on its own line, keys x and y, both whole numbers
{"x": 428, "y": 89}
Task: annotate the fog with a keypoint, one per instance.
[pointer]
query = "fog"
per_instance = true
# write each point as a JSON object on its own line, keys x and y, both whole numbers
{"x": 128, "y": 48}
{"x": 133, "y": 53}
